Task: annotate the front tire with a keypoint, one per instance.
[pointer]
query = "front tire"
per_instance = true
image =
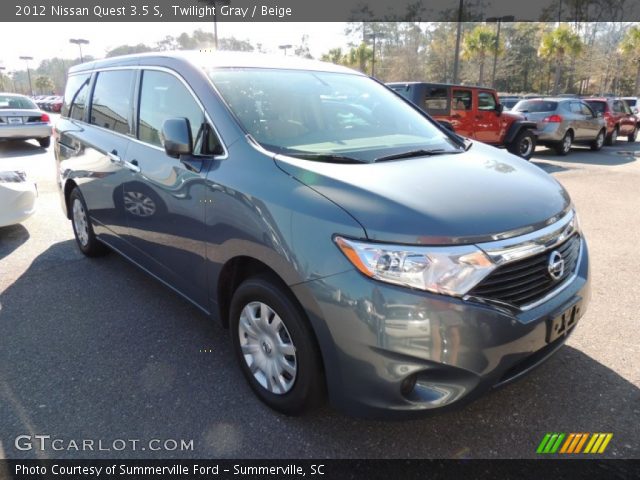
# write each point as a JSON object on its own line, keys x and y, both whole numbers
{"x": 564, "y": 147}
{"x": 82, "y": 228}
{"x": 523, "y": 145}
{"x": 275, "y": 346}
{"x": 598, "y": 142}
{"x": 613, "y": 138}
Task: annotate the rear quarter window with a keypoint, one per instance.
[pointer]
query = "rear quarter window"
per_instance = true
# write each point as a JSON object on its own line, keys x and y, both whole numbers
{"x": 436, "y": 100}
{"x": 75, "y": 96}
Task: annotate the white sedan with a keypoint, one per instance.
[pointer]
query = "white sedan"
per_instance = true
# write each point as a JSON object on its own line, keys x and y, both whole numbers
{"x": 17, "y": 197}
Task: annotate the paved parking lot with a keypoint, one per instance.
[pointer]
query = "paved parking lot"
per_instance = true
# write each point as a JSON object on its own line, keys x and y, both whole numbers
{"x": 95, "y": 349}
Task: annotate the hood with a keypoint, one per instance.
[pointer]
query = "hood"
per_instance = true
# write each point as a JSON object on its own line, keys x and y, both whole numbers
{"x": 479, "y": 195}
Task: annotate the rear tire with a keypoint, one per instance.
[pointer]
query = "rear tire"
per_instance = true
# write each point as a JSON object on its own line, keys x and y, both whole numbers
{"x": 613, "y": 138}
{"x": 564, "y": 147}
{"x": 82, "y": 228}
{"x": 523, "y": 145}
{"x": 45, "y": 142}
{"x": 633, "y": 135}
{"x": 598, "y": 142}
{"x": 275, "y": 346}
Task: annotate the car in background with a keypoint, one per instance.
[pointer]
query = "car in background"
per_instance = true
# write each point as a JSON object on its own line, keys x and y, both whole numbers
{"x": 619, "y": 118}
{"x": 562, "y": 122}
{"x": 21, "y": 119}
{"x": 509, "y": 101}
{"x": 634, "y": 105}
{"x": 55, "y": 105}
{"x": 43, "y": 101}
{"x": 17, "y": 197}
{"x": 473, "y": 112}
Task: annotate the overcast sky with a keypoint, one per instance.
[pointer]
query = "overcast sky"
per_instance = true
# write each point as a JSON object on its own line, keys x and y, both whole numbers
{"x": 48, "y": 40}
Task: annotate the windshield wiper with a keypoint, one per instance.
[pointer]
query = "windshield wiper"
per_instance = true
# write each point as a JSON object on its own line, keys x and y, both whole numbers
{"x": 324, "y": 157}
{"x": 415, "y": 153}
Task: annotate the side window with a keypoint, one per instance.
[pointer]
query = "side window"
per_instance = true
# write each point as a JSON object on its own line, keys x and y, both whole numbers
{"x": 586, "y": 110}
{"x": 75, "y": 96}
{"x": 486, "y": 101}
{"x": 163, "y": 96}
{"x": 461, "y": 100}
{"x": 576, "y": 108}
{"x": 436, "y": 100}
{"x": 111, "y": 100}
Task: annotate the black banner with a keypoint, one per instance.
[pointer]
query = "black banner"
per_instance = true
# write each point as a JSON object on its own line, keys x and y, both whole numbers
{"x": 315, "y": 11}
{"x": 542, "y": 469}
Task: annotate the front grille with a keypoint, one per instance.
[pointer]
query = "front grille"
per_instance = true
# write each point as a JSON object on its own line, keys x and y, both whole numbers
{"x": 525, "y": 281}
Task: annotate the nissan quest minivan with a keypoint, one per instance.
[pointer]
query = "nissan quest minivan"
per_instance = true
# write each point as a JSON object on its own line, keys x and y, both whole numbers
{"x": 352, "y": 246}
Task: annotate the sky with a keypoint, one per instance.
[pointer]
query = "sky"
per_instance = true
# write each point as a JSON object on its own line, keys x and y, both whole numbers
{"x": 52, "y": 39}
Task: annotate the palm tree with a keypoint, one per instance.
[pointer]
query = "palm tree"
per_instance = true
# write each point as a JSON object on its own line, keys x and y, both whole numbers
{"x": 479, "y": 43}
{"x": 630, "y": 48}
{"x": 558, "y": 44}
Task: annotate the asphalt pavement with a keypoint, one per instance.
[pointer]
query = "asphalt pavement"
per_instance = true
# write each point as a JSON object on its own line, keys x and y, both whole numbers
{"x": 94, "y": 349}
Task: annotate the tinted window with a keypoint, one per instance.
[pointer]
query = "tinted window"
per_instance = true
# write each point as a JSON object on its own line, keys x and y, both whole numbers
{"x": 17, "y": 102}
{"x": 535, "y": 106}
{"x": 461, "y": 100}
{"x": 597, "y": 106}
{"x": 163, "y": 96}
{"x": 436, "y": 100}
{"x": 486, "y": 101}
{"x": 631, "y": 102}
{"x": 111, "y": 100}
{"x": 75, "y": 96}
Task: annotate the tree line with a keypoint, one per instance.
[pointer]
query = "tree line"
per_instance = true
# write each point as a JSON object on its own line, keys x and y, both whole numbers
{"x": 539, "y": 57}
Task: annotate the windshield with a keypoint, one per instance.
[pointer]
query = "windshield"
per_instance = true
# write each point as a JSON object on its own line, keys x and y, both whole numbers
{"x": 8, "y": 102}
{"x": 323, "y": 115}
{"x": 535, "y": 106}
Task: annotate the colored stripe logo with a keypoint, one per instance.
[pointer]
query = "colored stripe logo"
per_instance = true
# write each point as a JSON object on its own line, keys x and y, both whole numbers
{"x": 592, "y": 443}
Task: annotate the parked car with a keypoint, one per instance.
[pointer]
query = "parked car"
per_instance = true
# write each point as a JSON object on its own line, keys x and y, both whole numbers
{"x": 313, "y": 212}
{"x": 563, "y": 122}
{"x": 21, "y": 119}
{"x": 619, "y": 118}
{"x": 42, "y": 103}
{"x": 508, "y": 101}
{"x": 17, "y": 197}
{"x": 635, "y": 107}
{"x": 473, "y": 112}
{"x": 55, "y": 105}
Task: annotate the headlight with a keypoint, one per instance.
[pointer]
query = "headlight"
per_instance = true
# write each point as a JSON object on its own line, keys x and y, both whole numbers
{"x": 451, "y": 270}
{"x": 17, "y": 176}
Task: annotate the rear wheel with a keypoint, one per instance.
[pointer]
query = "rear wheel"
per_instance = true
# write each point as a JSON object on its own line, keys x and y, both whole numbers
{"x": 275, "y": 346}
{"x": 633, "y": 135}
{"x": 82, "y": 228}
{"x": 613, "y": 138}
{"x": 598, "y": 142}
{"x": 523, "y": 145}
{"x": 45, "y": 142}
{"x": 564, "y": 147}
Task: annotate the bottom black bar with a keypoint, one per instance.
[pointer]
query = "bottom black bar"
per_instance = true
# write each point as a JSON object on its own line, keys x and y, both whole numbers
{"x": 542, "y": 469}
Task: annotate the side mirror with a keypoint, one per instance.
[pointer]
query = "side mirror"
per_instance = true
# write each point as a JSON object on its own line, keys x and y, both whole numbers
{"x": 499, "y": 108}
{"x": 176, "y": 134}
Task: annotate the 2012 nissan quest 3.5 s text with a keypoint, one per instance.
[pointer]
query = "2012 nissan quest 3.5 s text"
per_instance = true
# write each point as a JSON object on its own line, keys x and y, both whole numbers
{"x": 350, "y": 243}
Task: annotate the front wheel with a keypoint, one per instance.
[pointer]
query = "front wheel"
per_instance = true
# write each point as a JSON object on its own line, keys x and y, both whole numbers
{"x": 82, "y": 228}
{"x": 523, "y": 145}
{"x": 598, "y": 142}
{"x": 564, "y": 147}
{"x": 275, "y": 346}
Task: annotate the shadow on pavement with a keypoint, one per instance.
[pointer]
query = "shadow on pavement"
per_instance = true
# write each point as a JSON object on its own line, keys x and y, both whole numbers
{"x": 19, "y": 148}
{"x": 12, "y": 237}
{"x": 95, "y": 349}
{"x": 619, "y": 154}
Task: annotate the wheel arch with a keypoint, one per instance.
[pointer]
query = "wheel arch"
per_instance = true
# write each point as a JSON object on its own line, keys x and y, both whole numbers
{"x": 516, "y": 127}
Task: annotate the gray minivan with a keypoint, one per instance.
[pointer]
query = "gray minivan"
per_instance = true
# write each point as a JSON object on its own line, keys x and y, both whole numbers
{"x": 352, "y": 246}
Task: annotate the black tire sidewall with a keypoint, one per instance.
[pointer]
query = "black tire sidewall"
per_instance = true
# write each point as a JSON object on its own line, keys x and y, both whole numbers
{"x": 45, "y": 142}
{"x": 308, "y": 388}
{"x": 594, "y": 145}
{"x": 516, "y": 144}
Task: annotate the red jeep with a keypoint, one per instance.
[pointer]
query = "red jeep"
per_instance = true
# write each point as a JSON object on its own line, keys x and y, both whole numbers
{"x": 473, "y": 112}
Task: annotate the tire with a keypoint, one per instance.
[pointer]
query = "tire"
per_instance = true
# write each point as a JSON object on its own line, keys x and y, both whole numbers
{"x": 45, "y": 142}
{"x": 564, "y": 146}
{"x": 82, "y": 228}
{"x": 613, "y": 138}
{"x": 599, "y": 141}
{"x": 523, "y": 145}
{"x": 633, "y": 135}
{"x": 298, "y": 383}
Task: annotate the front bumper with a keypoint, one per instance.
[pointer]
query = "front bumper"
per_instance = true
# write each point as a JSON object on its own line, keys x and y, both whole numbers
{"x": 374, "y": 336}
{"x": 18, "y": 202}
{"x": 25, "y": 131}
